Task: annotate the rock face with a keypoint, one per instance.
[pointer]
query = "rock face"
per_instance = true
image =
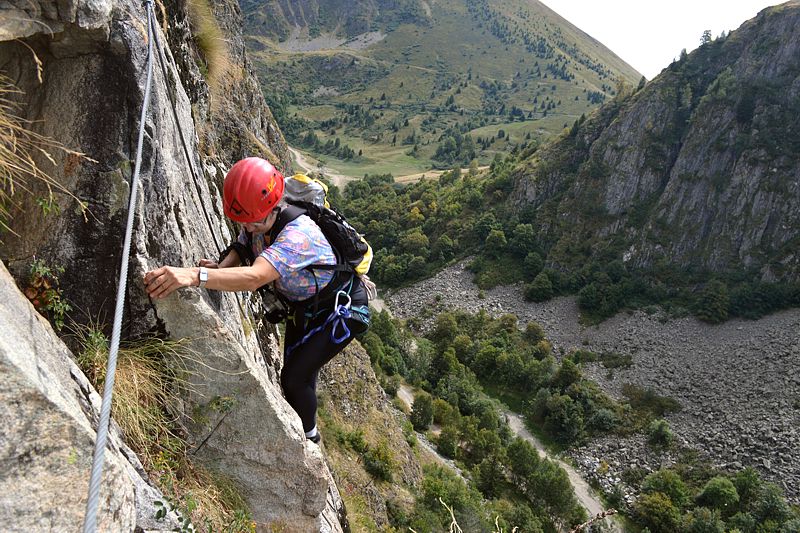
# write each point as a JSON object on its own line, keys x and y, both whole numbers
{"x": 92, "y": 58}
{"x": 49, "y": 412}
{"x": 699, "y": 168}
{"x": 256, "y": 437}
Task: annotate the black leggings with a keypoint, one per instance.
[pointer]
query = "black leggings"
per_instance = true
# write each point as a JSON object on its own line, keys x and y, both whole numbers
{"x": 302, "y": 366}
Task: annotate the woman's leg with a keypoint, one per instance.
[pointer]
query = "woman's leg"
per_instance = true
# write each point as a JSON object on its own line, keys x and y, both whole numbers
{"x": 300, "y": 370}
{"x": 301, "y": 367}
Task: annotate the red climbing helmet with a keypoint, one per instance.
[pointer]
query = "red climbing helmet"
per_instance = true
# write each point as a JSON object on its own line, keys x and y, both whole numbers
{"x": 252, "y": 188}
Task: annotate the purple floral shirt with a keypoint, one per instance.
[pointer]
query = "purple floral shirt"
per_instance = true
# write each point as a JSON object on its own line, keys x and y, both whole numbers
{"x": 299, "y": 244}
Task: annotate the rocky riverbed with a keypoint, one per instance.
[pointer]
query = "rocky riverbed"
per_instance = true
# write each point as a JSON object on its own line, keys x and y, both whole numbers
{"x": 737, "y": 383}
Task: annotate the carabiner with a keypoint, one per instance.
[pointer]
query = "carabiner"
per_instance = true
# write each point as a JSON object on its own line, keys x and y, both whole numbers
{"x": 336, "y": 304}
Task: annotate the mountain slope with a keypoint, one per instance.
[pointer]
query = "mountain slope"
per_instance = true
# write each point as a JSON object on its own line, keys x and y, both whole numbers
{"x": 423, "y": 73}
{"x": 276, "y": 19}
{"x": 699, "y": 169}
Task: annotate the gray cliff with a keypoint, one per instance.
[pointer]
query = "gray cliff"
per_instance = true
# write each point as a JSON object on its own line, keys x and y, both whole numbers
{"x": 699, "y": 168}
{"x": 87, "y": 94}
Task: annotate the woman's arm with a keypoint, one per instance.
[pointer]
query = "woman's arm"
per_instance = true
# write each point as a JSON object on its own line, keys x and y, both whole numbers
{"x": 161, "y": 282}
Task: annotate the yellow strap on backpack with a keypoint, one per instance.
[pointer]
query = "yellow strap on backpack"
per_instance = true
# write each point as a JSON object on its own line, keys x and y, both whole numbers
{"x": 363, "y": 266}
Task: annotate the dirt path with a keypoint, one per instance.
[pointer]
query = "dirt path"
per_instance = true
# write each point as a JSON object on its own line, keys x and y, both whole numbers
{"x": 586, "y": 496}
{"x": 583, "y": 491}
{"x": 406, "y": 395}
{"x": 308, "y": 164}
{"x": 380, "y": 305}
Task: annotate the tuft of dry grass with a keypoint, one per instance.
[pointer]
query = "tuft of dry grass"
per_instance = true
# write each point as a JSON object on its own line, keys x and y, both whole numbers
{"x": 19, "y": 146}
{"x": 149, "y": 377}
{"x": 265, "y": 150}
{"x": 211, "y": 42}
{"x": 145, "y": 385}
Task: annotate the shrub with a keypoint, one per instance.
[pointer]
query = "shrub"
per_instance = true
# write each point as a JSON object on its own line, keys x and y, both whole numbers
{"x": 657, "y": 512}
{"x": 748, "y": 486}
{"x": 743, "y": 522}
{"x": 534, "y": 332}
{"x": 703, "y": 520}
{"x": 564, "y": 419}
{"x": 615, "y": 360}
{"x": 391, "y": 385}
{"x": 540, "y": 289}
{"x": 422, "y": 412}
{"x": 355, "y": 441}
{"x": 719, "y": 493}
{"x": 643, "y": 399}
{"x": 379, "y": 462}
{"x": 533, "y": 265}
{"x": 713, "y": 303}
{"x": 602, "y": 420}
{"x": 771, "y": 505}
{"x": 45, "y": 293}
{"x": 495, "y": 243}
{"x": 668, "y": 483}
{"x": 489, "y": 476}
{"x": 659, "y": 433}
{"x": 447, "y": 443}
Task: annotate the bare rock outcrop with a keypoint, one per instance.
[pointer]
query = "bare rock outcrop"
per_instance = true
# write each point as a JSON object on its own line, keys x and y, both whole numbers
{"x": 697, "y": 169}
{"x": 49, "y": 414}
{"x": 81, "y": 68}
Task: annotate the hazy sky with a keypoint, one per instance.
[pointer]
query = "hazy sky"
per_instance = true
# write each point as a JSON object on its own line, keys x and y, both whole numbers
{"x": 649, "y": 34}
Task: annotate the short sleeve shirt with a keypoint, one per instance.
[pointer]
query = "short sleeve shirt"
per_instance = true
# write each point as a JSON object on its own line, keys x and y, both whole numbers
{"x": 300, "y": 244}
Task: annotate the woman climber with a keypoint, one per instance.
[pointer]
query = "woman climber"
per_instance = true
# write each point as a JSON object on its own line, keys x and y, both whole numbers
{"x": 328, "y": 305}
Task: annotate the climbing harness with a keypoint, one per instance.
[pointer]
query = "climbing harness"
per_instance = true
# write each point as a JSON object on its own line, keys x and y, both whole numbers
{"x": 90, "y": 521}
{"x": 338, "y": 317}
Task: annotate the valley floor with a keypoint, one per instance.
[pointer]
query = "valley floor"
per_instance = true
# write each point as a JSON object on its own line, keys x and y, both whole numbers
{"x": 738, "y": 382}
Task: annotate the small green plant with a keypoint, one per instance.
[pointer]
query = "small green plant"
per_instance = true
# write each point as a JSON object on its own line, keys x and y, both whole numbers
{"x": 659, "y": 433}
{"x": 18, "y": 146}
{"x": 379, "y": 462}
{"x": 615, "y": 360}
{"x": 45, "y": 294}
{"x": 48, "y": 204}
{"x": 648, "y": 400}
{"x": 184, "y": 522}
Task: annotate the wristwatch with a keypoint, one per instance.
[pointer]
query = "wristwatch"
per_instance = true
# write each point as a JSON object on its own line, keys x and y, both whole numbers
{"x": 203, "y": 277}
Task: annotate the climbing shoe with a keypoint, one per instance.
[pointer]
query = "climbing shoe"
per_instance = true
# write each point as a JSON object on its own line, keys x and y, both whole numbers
{"x": 316, "y": 438}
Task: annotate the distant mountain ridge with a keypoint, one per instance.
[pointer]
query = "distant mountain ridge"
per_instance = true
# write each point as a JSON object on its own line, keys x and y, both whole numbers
{"x": 393, "y": 80}
{"x": 276, "y": 19}
{"x": 701, "y": 168}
